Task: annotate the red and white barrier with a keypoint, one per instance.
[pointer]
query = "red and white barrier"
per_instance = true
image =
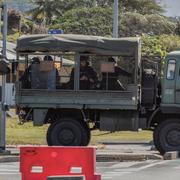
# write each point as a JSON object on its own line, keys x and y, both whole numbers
{"x": 38, "y": 163}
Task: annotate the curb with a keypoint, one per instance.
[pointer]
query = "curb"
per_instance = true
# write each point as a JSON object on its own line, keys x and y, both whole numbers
{"x": 4, "y": 159}
{"x": 127, "y": 157}
{"x": 125, "y": 142}
{"x": 102, "y": 157}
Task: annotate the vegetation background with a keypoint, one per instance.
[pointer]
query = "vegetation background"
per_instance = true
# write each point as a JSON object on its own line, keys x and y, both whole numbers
{"x": 144, "y": 18}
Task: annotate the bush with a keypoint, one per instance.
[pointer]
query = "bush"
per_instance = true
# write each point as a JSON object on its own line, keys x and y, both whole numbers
{"x": 159, "y": 45}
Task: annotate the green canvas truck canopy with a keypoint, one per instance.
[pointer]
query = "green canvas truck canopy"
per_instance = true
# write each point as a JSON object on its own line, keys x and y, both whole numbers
{"x": 78, "y": 43}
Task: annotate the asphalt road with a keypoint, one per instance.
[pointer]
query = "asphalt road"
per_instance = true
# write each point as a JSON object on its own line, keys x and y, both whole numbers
{"x": 146, "y": 170}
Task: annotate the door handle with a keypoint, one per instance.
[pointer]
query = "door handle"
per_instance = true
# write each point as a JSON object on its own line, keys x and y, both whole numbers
{"x": 177, "y": 90}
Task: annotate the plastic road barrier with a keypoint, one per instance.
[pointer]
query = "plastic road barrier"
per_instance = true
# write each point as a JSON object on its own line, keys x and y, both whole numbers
{"x": 39, "y": 163}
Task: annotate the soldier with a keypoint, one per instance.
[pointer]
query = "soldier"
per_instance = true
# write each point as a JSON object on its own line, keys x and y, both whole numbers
{"x": 26, "y": 77}
{"x": 112, "y": 78}
{"x": 53, "y": 81}
{"x": 88, "y": 77}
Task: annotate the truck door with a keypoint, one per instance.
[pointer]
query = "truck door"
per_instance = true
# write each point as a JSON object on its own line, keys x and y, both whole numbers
{"x": 177, "y": 88}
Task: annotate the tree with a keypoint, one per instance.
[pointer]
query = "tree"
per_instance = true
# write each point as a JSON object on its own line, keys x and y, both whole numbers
{"x": 14, "y": 18}
{"x": 159, "y": 45}
{"x": 133, "y": 24}
{"x": 151, "y": 46}
{"x": 138, "y": 6}
{"x": 92, "y": 21}
{"x": 142, "y": 6}
{"x": 44, "y": 11}
{"x": 47, "y": 10}
{"x": 98, "y": 21}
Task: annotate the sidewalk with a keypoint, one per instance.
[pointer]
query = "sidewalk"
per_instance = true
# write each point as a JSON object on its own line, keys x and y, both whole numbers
{"x": 107, "y": 151}
{"x": 127, "y": 151}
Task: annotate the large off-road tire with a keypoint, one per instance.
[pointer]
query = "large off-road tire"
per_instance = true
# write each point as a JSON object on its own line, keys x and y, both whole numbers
{"x": 167, "y": 136}
{"x": 67, "y": 132}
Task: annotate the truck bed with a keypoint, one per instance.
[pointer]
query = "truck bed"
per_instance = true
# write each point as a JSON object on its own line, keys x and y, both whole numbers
{"x": 77, "y": 99}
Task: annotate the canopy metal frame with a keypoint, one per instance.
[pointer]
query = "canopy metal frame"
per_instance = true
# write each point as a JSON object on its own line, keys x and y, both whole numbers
{"x": 27, "y": 45}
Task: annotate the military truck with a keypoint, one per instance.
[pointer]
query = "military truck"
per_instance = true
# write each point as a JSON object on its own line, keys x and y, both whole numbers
{"x": 149, "y": 99}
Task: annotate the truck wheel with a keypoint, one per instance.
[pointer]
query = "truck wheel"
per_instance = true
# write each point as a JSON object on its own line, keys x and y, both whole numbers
{"x": 66, "y": 132}
{"x": 167, "y": 136}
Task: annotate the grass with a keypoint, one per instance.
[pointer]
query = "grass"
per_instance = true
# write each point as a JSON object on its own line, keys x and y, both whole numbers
{"x": 24, "y": 134}
{"x": 98, "y": 136}
{"x": 27, "y": 134}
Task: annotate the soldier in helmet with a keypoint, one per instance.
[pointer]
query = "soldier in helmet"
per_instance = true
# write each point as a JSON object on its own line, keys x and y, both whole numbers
{"x": 112, "y": 78}
{"x": 26, "y": 77}
{"x": 53, "y": 79}
{"x": 88, "y": 77}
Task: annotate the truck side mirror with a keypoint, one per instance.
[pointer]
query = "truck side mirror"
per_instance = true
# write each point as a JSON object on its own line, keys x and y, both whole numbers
{"x": 4, "y": 69}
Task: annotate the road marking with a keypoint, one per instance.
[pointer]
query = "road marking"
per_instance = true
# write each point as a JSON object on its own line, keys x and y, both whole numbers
{"x": 7, "y": 170}
{"x": 177, "y": 167}
{"x": 119, "y": 171}
{"x": 151, "y": 165}
{"x": 113, "y": 174}
{"x": 124, "y": 165}
{"x": 3, "y": 173}
{"x": 107, "y": 177}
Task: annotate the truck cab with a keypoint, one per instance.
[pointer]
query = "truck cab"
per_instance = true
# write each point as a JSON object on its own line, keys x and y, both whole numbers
{"x": 171, "y": 80}
{"x": 166, "y": 118}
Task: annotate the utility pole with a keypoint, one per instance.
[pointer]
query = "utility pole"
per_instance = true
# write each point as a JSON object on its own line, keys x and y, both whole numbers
{"x": 3, "y": 110}
{"x": 116, "y": 19}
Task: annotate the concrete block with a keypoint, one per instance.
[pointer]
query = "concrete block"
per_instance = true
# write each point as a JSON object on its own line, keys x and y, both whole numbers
{"x": 171, "y": 155}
